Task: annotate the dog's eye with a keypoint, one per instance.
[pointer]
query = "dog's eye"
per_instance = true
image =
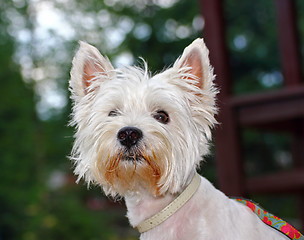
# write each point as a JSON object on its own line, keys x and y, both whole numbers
{"x": 113, "y": 113}
{"x": 162, "y": 117}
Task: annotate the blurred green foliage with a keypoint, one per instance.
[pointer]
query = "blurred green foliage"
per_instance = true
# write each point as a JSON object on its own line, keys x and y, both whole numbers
{"x": 38, "y": 195}
{"x": 252, "y": 37}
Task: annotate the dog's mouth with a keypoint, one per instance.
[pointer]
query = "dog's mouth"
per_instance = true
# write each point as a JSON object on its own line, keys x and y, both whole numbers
{"x": 132, "y": 157}
{"x": 131, "y": 168}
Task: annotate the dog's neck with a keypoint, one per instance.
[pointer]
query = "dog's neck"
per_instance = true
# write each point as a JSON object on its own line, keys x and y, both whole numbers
{"x": 145, "y": 211}
{"x": 142, "y": 206}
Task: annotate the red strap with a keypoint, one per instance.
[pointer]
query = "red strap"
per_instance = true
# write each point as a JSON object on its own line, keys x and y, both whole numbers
{"x": 271, "y": 220}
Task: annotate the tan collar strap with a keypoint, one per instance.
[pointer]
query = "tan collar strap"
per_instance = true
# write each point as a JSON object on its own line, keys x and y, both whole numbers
{"x": 173, "y": 207}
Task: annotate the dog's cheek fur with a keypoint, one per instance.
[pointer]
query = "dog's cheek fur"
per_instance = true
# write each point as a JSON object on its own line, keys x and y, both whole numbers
{"x": 192, "y": 118}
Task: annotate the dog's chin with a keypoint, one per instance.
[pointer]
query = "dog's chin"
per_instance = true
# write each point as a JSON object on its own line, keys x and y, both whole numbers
{"x": 131, "y": 170}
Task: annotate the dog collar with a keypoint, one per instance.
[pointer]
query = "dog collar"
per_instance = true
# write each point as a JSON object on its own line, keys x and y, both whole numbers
{"x": 172, "y": 208}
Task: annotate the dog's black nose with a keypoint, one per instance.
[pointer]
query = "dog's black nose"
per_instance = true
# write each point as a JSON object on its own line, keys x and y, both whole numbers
{"x": 129, "y": 136}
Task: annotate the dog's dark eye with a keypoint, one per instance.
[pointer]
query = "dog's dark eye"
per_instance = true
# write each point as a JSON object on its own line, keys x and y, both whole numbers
{"x": 113, "y": 113}
{"x": 162, "y": 117}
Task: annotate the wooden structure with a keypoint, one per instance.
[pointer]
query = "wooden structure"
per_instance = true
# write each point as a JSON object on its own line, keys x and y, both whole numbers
{"x": 279, "y": 110}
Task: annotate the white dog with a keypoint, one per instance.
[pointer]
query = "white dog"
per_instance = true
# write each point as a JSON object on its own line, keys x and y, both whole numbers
{"x": 142, "y": 137}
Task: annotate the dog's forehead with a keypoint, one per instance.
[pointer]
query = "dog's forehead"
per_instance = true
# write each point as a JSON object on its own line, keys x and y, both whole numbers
{"x": 134, "y": 90}
{"x": 138, "y": 81}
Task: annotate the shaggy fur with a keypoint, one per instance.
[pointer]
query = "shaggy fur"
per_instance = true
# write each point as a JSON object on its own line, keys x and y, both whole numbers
{"x": 150, "y": 174}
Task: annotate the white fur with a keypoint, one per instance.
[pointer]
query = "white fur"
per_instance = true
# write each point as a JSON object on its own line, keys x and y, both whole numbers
{"x": 187, "y": 93}
{"x": 208, "y": 215}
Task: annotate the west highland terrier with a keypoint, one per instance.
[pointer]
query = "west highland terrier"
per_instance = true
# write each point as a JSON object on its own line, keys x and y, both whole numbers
{"x": 142, "y": 137}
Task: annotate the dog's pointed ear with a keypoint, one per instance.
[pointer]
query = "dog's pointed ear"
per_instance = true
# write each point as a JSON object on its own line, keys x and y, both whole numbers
{"x": 195, "y": 62}
{"x": 88, "y": 67}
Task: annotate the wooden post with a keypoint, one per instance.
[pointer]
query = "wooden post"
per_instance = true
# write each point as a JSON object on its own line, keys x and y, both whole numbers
{"x": 227, "y": 139}
{"x": 289, "y": 42}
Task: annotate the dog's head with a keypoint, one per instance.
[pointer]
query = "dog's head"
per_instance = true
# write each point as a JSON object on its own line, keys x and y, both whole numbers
{"x": 136, "y": 132}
